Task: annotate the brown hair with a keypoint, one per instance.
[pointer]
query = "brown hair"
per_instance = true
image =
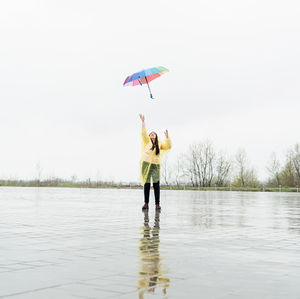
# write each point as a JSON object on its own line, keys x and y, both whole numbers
{"x": 155, "y": 144}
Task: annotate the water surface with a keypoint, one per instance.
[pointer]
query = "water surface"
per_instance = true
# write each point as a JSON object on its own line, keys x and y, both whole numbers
{"x": 88, "y": 243}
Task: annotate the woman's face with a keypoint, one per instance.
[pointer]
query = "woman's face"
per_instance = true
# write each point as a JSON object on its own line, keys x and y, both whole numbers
{"x": 152, "y": 135}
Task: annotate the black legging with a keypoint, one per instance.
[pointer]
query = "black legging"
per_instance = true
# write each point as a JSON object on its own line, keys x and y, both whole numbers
{"x": 156, "y": 192}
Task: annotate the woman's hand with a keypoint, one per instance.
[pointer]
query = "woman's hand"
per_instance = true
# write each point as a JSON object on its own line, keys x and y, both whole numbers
{"x": 142, "y": 117}
{"x": 166, "y": 133}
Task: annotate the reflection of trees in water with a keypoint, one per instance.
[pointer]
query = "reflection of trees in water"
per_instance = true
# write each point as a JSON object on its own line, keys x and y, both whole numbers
{"x": 293, "y": 214}
{"x": 151, "y": 274}
{"x": 202, "y": 213}
{"x": 210, "y": 211}
{"x": 284, "y": 211}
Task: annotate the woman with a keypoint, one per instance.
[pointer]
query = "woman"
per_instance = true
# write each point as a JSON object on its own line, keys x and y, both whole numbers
{"x": 152, "y": 153}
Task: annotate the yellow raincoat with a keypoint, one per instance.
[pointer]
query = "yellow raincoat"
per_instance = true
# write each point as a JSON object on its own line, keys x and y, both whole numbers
{"x": 150, "y": 162}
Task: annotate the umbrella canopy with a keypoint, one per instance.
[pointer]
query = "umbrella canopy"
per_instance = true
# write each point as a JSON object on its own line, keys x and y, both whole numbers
{"x": 145, "y": 76}
{"x": 141, "y": 76}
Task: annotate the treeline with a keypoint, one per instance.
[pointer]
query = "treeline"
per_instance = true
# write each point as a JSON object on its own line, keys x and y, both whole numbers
{"x": 58, "y": 182}
{"x": 201, "y": 167}
{"x": 205, "y": 166}
{"x": 287, "y": 173}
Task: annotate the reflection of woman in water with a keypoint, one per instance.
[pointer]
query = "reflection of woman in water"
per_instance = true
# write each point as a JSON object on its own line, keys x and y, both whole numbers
{"x": 152, "y": 153}
{"x": 151, "y": 274}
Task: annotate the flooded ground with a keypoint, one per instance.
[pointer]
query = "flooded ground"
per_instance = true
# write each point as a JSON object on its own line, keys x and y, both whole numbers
{"x": 87, "y": 243}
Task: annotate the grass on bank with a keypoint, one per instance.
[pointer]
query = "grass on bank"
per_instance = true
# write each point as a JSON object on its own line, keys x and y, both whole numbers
{"x": 90, "y": 184}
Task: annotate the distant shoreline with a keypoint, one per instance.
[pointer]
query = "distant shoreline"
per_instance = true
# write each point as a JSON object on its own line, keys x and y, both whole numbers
{"x": 95, "y": 185}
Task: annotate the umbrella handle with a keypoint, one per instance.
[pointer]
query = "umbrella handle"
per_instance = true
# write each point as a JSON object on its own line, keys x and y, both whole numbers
{"x": 151, "y": 96}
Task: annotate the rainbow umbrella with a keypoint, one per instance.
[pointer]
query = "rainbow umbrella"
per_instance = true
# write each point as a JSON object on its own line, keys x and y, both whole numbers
{"x": 144, "y": 77}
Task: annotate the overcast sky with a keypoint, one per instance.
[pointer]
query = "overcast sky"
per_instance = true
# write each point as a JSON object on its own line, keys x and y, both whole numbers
{"x": 234, "y": 78}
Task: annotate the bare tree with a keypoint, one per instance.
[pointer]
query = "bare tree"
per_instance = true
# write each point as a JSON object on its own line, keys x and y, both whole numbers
{"x": 245, "y": 176}
{"x": 166, "y": 171}
{"x": 223, "y": 169}
{"x": 288, "y": 172}
{"x": 189, "y": 167}
{"x": 201, "y": 164}
{"x": 241, "y": 160}
{"x": 208, "y": 163}
{"x": 39, "y": 171}
{"x": 98, "y": 178}
{"x": 74, "y": 178}
{"x": 296, "y": 161}
{"x": 178, "y": 169}
{"x": 274, "y": 169}
{"x": 287, "y": 175}
{"x": 251, "y": 178}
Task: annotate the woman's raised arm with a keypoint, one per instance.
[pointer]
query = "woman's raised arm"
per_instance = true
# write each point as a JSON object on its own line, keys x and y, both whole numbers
{"x": 167, "y": 144}
{"x": 144, "y": 131}
{"x": 142, "y": 117}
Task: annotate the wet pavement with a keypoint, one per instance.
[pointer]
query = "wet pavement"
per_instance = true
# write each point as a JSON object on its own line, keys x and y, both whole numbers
{"x": 87, "y": 243}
